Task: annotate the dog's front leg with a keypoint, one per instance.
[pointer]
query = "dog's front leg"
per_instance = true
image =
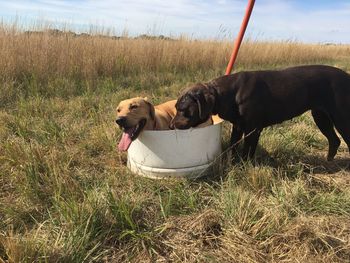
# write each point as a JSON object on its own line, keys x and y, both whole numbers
{"x": 236, "y": 136}
{"x": 251, "y": 138}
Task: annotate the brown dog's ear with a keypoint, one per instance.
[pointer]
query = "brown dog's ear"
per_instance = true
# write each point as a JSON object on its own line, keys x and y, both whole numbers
{"x": 151, "y": 108}
{"x": 199, "y": 98}
{"x": 205, "y": 101}
{"x": 199, "y": 107}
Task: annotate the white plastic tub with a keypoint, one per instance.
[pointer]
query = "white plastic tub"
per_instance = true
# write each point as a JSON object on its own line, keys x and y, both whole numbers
{"x": 175, "y": 153}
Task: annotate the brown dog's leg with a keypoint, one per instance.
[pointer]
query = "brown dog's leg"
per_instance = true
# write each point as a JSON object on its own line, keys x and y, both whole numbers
{"x": 236, "y": 136}
{"x": 251, "y": 138}
{"x": 343, "y": 128}
{"x": 325, "y": 124}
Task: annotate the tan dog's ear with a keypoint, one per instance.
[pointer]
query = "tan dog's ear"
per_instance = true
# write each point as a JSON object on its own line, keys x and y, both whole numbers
{"x": 151, "y": 108}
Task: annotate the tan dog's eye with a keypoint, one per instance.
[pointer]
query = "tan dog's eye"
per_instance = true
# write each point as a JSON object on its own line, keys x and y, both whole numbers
{"x": 134, "y": 106}
{"x": 118, "y": 110}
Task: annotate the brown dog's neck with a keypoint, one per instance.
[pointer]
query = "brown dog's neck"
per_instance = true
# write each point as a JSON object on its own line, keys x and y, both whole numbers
{"x": 214, "y": 92}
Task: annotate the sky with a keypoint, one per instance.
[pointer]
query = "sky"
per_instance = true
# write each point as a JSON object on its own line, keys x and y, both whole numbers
{"x": 309, "y": 21}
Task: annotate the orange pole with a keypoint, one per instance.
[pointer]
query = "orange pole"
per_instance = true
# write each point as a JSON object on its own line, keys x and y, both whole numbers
{"x": 239, "y": 38}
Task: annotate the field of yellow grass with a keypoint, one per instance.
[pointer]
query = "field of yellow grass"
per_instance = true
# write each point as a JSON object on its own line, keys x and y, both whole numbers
{"x": 66, "y": 195}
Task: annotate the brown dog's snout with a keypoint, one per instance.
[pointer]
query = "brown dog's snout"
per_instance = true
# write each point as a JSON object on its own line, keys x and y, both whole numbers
{"x": 179, "y": 123}
{"x": 121, "y": 121}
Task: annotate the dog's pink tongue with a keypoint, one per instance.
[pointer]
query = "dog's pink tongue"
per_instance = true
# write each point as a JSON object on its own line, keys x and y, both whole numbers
{"x": 125, "y": 141}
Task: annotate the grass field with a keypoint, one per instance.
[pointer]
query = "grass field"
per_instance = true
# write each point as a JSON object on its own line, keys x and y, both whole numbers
{"x": 66, "y": 195}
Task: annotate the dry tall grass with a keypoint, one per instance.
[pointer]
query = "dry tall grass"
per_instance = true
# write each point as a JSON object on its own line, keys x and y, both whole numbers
{"x": 53, "y": 53}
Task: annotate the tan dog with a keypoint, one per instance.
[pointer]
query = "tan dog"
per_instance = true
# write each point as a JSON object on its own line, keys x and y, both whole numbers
{"x": 138, "y": 114}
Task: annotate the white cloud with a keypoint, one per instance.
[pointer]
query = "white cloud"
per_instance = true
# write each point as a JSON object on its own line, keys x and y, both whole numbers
{"x": 286, "y": 20}
{"x": 271, "y": 19}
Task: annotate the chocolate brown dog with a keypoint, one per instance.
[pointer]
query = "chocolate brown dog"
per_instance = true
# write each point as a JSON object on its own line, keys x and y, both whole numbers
{"x": 254, "y": 100}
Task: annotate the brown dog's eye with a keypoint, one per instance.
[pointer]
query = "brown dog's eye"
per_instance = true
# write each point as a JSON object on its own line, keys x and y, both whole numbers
{"x": 133, "y": 107}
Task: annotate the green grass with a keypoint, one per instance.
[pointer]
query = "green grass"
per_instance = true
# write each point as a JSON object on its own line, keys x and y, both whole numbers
{"x": 66, "y": 195}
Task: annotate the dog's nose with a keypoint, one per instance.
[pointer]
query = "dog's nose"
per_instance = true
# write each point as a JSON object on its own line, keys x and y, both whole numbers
{"x": 121, "y": 121}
